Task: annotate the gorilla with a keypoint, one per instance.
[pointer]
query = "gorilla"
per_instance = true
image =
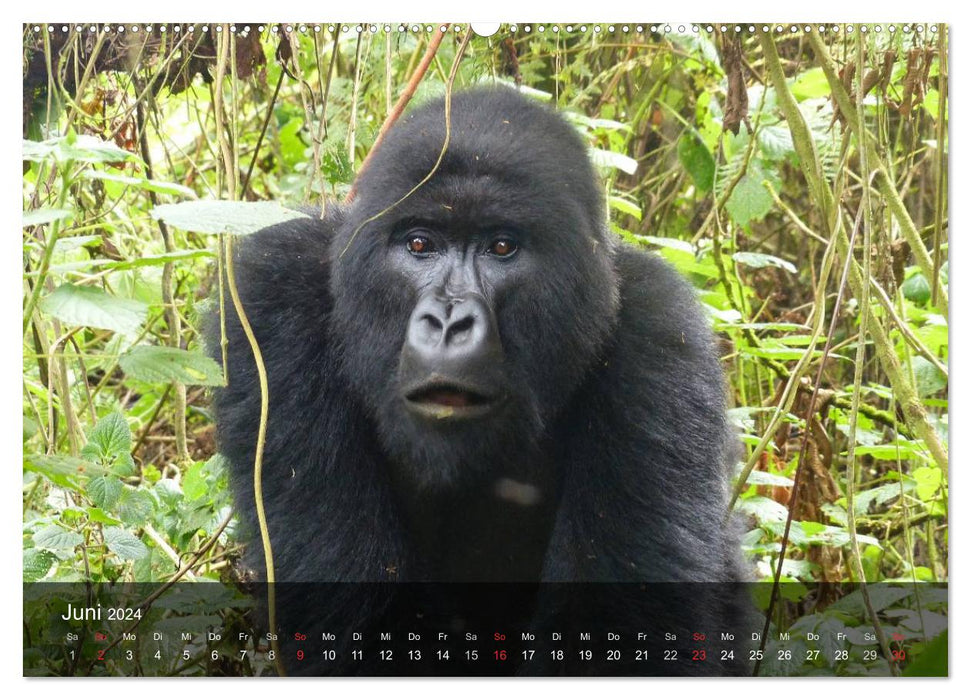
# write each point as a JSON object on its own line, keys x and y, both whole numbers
{"x": 471, "y": 381}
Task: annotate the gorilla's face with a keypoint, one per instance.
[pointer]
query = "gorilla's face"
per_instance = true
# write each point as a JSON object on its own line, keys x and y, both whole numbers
{"x": 469, "y": 309}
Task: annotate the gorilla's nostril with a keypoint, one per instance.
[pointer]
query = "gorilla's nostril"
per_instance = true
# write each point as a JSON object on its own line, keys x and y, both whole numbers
{"x": 432, "y": 321}
{"x": 460, "y": 331}
{"x": 430, "y": 329}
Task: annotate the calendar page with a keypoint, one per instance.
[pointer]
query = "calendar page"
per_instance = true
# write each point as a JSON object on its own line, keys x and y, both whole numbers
{"x": 414, "y": 348}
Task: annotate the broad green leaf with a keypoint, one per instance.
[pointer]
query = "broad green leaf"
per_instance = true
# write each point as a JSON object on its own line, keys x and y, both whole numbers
{"x": 928, "y": 481}
{"x": 46, "y": 216}
{"x": 776, "y": 142}
{"x": 750, "y": 201}
{"x": 104, "y": 491}
{"x": 917, "y": 289}
{"x": 932, "y": 660}
{"x": 935, "y": 337}
{"x": 591, "y": 123}
{"x": 626, "y": 207}
{"x": 124, "y": 543}
{"x": 697, "y": 160}
{"x": 142, "y": 183}
{"x": 762, "y": 260}
{"x": 96, "y": 515}
{"x": 672, "y": 243}
{"x": 782, "y": 353}
{"x": 903, "y": 448}
{"x": 194, "y": 483}
{"x": 807, "y": 533}
{"x": 63, "y": 470}
{"x": 37, "y": 563}
{"x": 82, "y": 148}
{"x": 930, "y": 380}
{"x": 57, "y": 538}
{"x": 759, "y": 478}
{"x": 612, "y": 159}
{"x": 881, "y": 494}
{"x": 155, "y": 363}
{"x": 93, "y": 307}
{"x": 932, "y": 103}
{"x": 763, "y": 509}
{"x": 109, "y": 444}
{"x": 136, "y": 507}
{"x": 811, "y": 528}
{"x": 809, "y": 84}
{"x": 234, "y": 218}
{"x": 799, "y": 341}
{"x": 698, "y": 44}
{"x": 155, "y": 260}
{"x": 881, "y": 597}
{"x": 111, "y": 435}
{"x": 168, "y": 491}
{"x": 68, "y": 244}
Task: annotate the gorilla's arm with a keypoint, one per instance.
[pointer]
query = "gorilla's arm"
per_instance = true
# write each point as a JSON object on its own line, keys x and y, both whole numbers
{"x": 319, "y": 466}
{"x": 644, "y": 490}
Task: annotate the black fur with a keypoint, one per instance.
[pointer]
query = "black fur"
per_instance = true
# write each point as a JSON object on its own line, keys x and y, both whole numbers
{"x": 608, "y": 462}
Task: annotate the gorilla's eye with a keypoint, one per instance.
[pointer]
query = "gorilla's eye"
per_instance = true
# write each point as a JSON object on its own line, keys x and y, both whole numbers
{"x": 420, "y": 245}
{"x": 503, "y": 248}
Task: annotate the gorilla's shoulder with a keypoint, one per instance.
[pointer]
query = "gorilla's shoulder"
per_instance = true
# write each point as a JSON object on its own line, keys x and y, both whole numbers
{"x": 658, "y": 301}
{"x": 288, "y": 264}
{"x": 282, "y": 273}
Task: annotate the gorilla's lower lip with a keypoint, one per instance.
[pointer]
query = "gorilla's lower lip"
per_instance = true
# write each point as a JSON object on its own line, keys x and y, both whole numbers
{"x": 444, "y": 401}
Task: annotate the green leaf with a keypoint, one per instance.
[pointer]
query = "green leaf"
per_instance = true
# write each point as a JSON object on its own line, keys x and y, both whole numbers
{"x": 234, "y": 218}
{"x": 194, "y": 484}
{"x": 780, "y": 353}
{"x": 591, "y": 123}
{"x": 809, "y": 84}
{"x": 109, "y": 440}
{"x": 775, "y": 142}
{"x": 763, "y": 260}
{"x": 93, "y": 307}
{"x": 758, "y": 478}
{"x": 763, "y": 509}
{"x": 124, "y": 543}
{"x": 168, "y": 491}
{"x": 104, "y": 491}
{"x": 96, "y": 515}
{"x": 612, "y": 159}
{"x": 625, "y": 207}
{"x": 157, "y": 260}
{"x": 699, "y": 45}
{"x": 142, "y": 183}
{"x": 154, "y": 363}
{"x": 46, "y": 216}
{"x": 811, "y": 528}
{"x": 82, "y": 148}
{"x": 750, "y": 201}
{"x": 771, "y": 326}
{"x": 672, "y": 243}
{"x": 881, "y": 494}
{"x": 63, "y": 470}
{"x": 57, "y": 538}
{"x": 37, "y": 564}
{"x": 917, "y": 289}
{"x": 807, "y": 533}
{"x": 697, "y": 160}
{"x": 932, "y": 661}
{"x": 902, "y": 447}
{"x": 928, "y": 481}
{"x": 930, "y": 379}
{"x": 136, "y": 507}
{"x": 881, "y": 597}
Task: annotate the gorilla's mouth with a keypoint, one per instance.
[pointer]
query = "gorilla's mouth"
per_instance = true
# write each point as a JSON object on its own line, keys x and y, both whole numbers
{"x": 447, "y": 400}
